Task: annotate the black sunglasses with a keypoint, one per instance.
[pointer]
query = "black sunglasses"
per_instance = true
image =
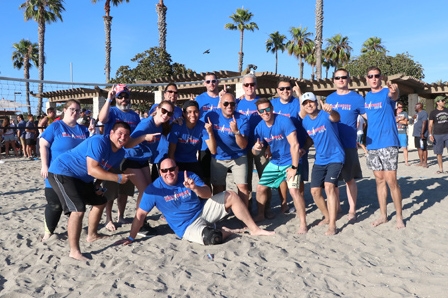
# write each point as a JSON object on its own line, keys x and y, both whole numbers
{"x": 249, "y": 84}
{"x": 211, "y": 81}
{"x": 171, "y": 91}
{"x": 172, "y": 169}
{"x": 121, "y": 96}
{"x": 267, "y": 110}
{"x": 341, "y": 77}
{"x": 284, "y": 88}
{"x": 166, "y": 112}
{"x": 375, "y": 75}
{"x": 226, "y": 103}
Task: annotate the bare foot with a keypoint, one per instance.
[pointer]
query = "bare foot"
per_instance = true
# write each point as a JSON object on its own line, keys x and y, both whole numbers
{"x": 77, "y": 255}
{"x": 400, "y": 224}
{"x": 302, "y": 230}
{"x": 46, "y": 236}
{"x": 96, "y": 237}
{"x": 284, "y": 208}
{"x": 379, "y": 221}
{"x": 124, "y": 221}
{"x": 259, "y": 217}
{"x": 261, "y": 232}
{"x": 111, "y": 226}
{"x": 351, "y": 216}
{"x": 424, "y": 165}
{"x": 406, "y": 163}
{"x": 323, "y": 222}
{"x": 331, "y": 231}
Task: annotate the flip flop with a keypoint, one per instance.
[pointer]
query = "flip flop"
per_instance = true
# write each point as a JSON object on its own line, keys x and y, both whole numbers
{"x": 439, "y": 172}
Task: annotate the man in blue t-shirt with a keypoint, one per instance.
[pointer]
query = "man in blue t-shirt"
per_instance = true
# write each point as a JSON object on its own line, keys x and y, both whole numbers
{"x": 72, "y": 176}
{"x": 189, "y": 207}
{"x": 382, "y": 143}
{"x": 231, "y": 130}
{"x": 349, "y": 105}
{"x": 170, "y": 93}
{"x": 279, "y": 133}
{"x": 322, "y": 127}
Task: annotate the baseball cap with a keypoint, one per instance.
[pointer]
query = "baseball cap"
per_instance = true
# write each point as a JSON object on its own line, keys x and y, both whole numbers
{"x": 440, "y": 98}
{"x": 88, "y": 112}
{"x": 190, "y": 103}
{"x": 308, "y": 96}
{"x": 120, "y": 88}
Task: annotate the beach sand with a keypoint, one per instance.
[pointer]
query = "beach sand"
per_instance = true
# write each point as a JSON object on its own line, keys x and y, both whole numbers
{"x": 360, "y": 261}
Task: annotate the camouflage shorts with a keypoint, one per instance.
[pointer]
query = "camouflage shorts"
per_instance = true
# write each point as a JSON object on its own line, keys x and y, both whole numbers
{"x": 384, "y": 159}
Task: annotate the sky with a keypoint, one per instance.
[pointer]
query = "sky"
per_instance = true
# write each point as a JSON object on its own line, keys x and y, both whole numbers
{"x": 416, "y": 27}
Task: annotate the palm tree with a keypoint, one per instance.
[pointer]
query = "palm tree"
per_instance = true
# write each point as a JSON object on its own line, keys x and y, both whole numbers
{"x": 373, "y": 45}
{"x": 108, "y": 28}
{"x": 300, "y": 45}
{"x": 43, "y": 12}
{"x": 318, "y": 40}
{"x": 327, "y": 62}
{"x": 311, "y": 60}
{"x": 275, "y": 43}
{"x": 339, "y": 49}
{"x": 241, "y": 21}
{"x": 161, "y": 23}
{"x": 25, "y": 55}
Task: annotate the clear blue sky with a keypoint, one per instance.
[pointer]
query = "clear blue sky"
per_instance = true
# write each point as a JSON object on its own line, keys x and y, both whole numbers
{"x": 417, "y": 27}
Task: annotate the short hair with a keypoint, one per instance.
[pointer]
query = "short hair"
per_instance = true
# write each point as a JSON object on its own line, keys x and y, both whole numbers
{"x": 70, "y": 102}
{"x": 262, "y": 101}
{"x": 119, "y": 124}
{"x": 210, "y": 74}
{"x": 283, "y": 80}
{"x": 20, "y": 116}
{"x": 170, "y": 84}
{"x": 50, "y": 109}
{"x": 250, "y": 76}
{"x": 373, "y": 68}
{"x": 341, "y": 69}
{"x": 163, "y": 159}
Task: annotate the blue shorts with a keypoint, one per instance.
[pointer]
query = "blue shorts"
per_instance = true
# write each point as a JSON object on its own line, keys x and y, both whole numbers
{"x": 403, "y": 138}
{"x": 325, "y": 174}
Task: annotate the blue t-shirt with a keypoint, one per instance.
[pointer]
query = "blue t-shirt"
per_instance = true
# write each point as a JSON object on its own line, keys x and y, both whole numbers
{"x": 188, "y": 141}
{"x": 62, "y": 138}
{"x": 155, "y": 150}
{"x": 349, "y": 106}
{"x": 206, "y": 104}
{"x": 32, "y": 134}
{"x": 227, "y": 148}
{"x": 276, "y": 137}
{"x": 382, "y": 131}
{"x": 178, "y": 204}
{"x": 325, "y": 135}
{"x": 177, "y": 111}
{"x": 21, "y": 125}
{"x": 421, "y": 117}
{"x": 117, "y": 115}
{"x": 249, "y": 109}
{"x": 73, "y": 163}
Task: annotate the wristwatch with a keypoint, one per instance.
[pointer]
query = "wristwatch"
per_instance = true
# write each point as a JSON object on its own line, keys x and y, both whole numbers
{"x": 237, "y": 133}
{"x": 294, "y": 167}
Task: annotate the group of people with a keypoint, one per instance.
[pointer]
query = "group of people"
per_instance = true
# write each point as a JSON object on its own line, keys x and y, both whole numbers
{"x": 179, "y": 158}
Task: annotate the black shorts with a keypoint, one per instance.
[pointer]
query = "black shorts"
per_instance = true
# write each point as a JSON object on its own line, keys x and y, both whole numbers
{"x": 30, "y": 142}
{"x": 205, "y": 158}
{"x": 325, "y": 174}
{"x": 194, "y": 167}
{"x": 133, "y": 164}
{"x": 74, "y": 193}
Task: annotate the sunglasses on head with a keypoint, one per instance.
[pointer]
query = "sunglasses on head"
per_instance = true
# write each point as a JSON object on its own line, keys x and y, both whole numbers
{"x": 284, "y": 88}
{"x": 249, "y": 84}
{"x": 164, "y": 111}
{"x": 211, "y": 81}
{"x": 226, "y": 103}
{"x": 171, "y": 91}
{"x": 341, "y": 78}
{"x": 172, "y": 169}
{"x": 267, "y": 110}
{"x": 121, "y": 96}
{"x": 374, "y": 76}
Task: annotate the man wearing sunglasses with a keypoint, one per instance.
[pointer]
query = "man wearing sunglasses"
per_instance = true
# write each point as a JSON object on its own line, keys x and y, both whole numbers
{"x": 231, "y": 130}
{"x": 349, "y": 105}
{"x": 170, "y": 93}
{"x": 109, "y": 115}
{"x": 288, "y": 105}
{"x": 280, "y": 134}
{"x": 189, "y": 207}
{"x": 438, "y": 130}
{"x": 382, "y": 143}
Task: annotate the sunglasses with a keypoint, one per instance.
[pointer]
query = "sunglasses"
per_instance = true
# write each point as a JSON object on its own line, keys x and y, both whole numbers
{"x": 375, "y": 75}
{"x": 164, "y": 111}
{"x": 172, "y": 169}
{"x": 211, "y": 81}
{"x": 121, "y": 96}
{"x": 267, "y": 110}
{"x": 226, "y": 103}
{"x": 284, "y": 88}
{"x": 399, "y": 107}
{"x": 341, "y": 78}
{"x": 171, "y": 91}
{"x": 249, "y": 84}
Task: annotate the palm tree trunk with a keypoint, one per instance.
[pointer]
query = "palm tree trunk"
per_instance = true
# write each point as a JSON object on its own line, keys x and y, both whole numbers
{"x": 300, "y": 68}
{"x": 276, "y": 61}
{"x": 41, "y": 33}
{"x": 241, "y": 54}
{"x": 318, "y": 40}
{"x": 107, "y": 31}
{"x": 161, "y": 23}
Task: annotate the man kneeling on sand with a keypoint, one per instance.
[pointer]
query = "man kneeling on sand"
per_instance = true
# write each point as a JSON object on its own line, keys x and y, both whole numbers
{"x": 179, "y": 197}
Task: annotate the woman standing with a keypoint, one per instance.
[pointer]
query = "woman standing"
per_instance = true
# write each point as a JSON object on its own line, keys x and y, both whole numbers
{"x": 58, "y": 138}
{"x": 9, "y": 136}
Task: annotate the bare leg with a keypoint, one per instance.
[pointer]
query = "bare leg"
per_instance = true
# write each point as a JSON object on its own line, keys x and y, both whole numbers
{"x": 299, "y": 203}
{"x": 381, "y": 191}
{"x": 425, "y": 158}
{"x": 141, "y": 180}
{"x": 74, "y": 233}
{"x": 94, "y": 219}
{"x": 405, "y": 155}
{"x": 332, "y": 205}
{"x": 420, "y": 157}
{"x": 316, "y": 192}
{"x": 109, "y": 221}
{"x": 235, "y": 203}
{"x": 262, "y": 198}
{"x": 243, "y": 193}
{"x": 352, "y": 195}
{"x": 122, "y": 200}
{"x": 282, "y": 192}
{"x": 392, "y": 182}
{"x": 440, "y": 162}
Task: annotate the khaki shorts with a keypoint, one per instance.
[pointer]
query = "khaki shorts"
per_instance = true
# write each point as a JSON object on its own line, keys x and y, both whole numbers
{"x": 219, "y": 170}
{"x": 213, "y": 211}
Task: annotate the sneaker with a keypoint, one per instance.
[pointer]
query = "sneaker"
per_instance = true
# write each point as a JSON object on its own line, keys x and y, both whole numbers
{"x": 146, "y": 231}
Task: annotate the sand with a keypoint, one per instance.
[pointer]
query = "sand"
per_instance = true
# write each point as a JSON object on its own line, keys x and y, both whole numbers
{"x": 360, "y": 261}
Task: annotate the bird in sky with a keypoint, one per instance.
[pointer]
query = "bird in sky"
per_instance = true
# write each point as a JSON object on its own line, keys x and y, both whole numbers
{"x": 207, "y": 52}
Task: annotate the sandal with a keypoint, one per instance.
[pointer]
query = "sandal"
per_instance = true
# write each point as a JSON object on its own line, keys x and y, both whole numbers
{"x": 439, "y": 172}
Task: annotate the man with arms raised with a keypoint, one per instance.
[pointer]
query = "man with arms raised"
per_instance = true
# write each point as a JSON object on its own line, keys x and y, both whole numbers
{"x": 382, "y": 143}
{"x": 180, "y": 197}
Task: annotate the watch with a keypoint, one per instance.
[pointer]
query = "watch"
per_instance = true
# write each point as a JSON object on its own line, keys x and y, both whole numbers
{"x": 294, "y": 167}
{"x": 237, "y": 133}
